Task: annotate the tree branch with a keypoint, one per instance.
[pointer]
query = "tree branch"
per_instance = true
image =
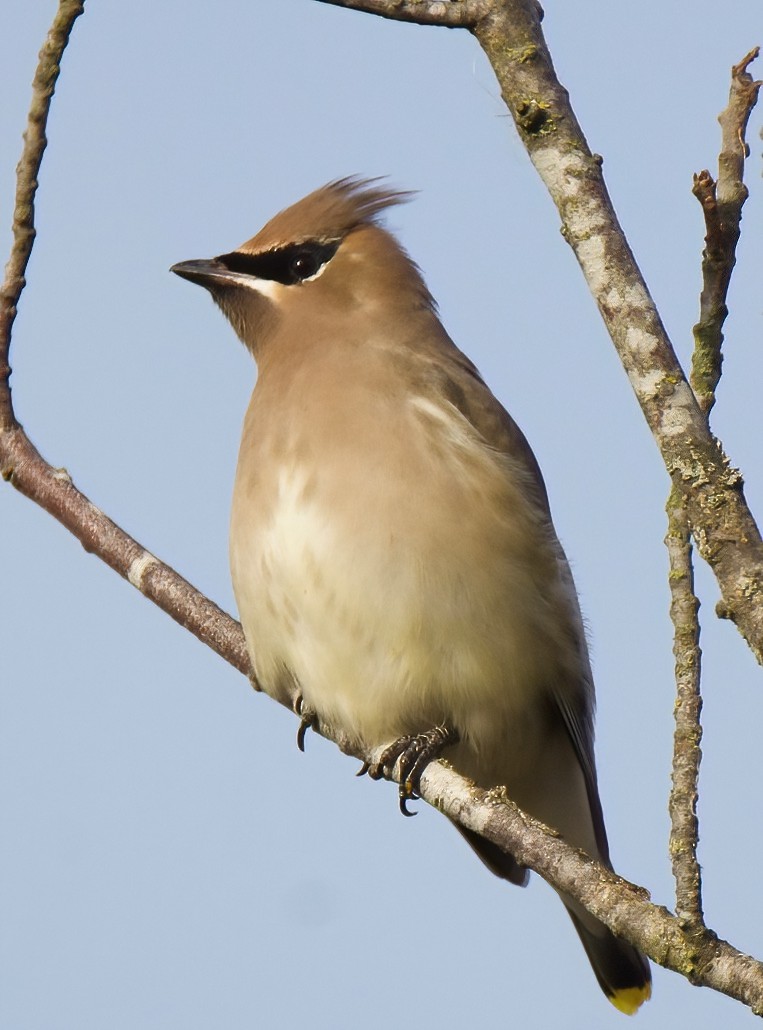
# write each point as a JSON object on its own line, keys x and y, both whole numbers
{"x": 53, "y": 490}
{"x": 695, "y": 953}
{"x": 721, "y": 522}
{"x": 722, "y": 204}
{"x": 722, "y": 207}
{"x": 698, "y": 955}
{"x": 687, "y": 755}
{"x": 452, "y": 14}
{"x": 35, "y": 141}
{"x": 21, "y": 463}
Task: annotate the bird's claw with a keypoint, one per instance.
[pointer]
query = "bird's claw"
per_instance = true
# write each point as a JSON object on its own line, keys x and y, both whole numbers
{"x": 406, "y": 793}
{"x": 414, "y": 753}
{"x": 307, "y": 720}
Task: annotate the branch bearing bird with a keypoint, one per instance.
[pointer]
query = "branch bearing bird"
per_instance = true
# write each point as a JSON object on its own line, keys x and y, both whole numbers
{"x": 393, "y": 557}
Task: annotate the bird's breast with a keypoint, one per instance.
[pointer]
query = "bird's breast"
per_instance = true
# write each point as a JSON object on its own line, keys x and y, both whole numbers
{"x": 398, "y": 574}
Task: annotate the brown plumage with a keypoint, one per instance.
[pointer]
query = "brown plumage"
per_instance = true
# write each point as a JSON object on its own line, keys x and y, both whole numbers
{"x": 392, "y": 550}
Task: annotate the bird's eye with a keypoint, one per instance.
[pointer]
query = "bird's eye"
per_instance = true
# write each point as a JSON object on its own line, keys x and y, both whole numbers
{"x": 289, "y": 265}
{"x": 304, "y": 264}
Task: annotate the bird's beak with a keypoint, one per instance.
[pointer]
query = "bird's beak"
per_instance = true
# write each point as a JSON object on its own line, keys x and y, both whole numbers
{"x": 208, "y": 272}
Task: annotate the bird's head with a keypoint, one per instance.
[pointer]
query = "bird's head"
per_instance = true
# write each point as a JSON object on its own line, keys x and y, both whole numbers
{"x": 323, "y": 264}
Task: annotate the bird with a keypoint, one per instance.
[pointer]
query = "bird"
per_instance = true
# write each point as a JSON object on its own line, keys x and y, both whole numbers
{"x": 393, "y": 557}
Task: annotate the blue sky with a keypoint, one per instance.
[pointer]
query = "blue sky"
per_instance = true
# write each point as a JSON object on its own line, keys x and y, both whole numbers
{"x": 170, "y": 859}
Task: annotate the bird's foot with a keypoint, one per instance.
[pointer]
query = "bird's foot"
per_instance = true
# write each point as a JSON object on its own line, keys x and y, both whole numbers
{"x": 308, "y": 719}
{"x": 414, "y": 752}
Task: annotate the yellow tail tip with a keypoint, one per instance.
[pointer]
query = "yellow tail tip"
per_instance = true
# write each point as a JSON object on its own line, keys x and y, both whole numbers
{"x": 630, "y": 999}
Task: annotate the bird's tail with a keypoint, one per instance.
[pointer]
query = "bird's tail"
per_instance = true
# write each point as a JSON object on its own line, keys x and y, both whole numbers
{"x": 622, "y": 971}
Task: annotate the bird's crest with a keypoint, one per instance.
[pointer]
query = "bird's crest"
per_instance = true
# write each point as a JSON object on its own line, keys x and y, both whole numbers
{"x": 329, "y": 213}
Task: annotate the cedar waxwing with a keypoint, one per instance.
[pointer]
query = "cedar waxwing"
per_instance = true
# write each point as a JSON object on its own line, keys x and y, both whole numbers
{"x": 394, "y": 562}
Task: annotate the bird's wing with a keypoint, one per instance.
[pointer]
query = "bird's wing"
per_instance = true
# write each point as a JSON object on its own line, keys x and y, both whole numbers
{"x": 461, "y": 383}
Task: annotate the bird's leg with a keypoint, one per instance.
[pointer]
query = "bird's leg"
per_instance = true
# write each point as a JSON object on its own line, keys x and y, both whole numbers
{"x": 307, "y": 720}
{"x": 414, "y": 752}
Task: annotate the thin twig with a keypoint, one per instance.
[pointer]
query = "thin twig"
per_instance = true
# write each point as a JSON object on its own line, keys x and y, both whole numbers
{"x": 722, "y": 204}
{"x": 722, "y": 207}
{"x": 684, "y": 609}
{"x": 27, "y": 171}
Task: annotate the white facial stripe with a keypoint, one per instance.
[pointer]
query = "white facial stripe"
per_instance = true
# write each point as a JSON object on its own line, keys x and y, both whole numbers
{"x": 267, "y": 287}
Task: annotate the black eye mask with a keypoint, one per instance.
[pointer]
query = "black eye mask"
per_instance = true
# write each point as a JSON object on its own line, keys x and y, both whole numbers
{"x": 287, "y": 265}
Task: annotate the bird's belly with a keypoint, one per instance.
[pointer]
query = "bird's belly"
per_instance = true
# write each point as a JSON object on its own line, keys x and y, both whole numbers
{"x": 388, "y": 622}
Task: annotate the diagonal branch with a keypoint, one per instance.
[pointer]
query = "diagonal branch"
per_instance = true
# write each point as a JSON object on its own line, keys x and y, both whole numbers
{"x": 723, "y": 527}
{"x": 696, "y": 953}
{"x": 53, "y": 490}
{"x": 721, "y": 522}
